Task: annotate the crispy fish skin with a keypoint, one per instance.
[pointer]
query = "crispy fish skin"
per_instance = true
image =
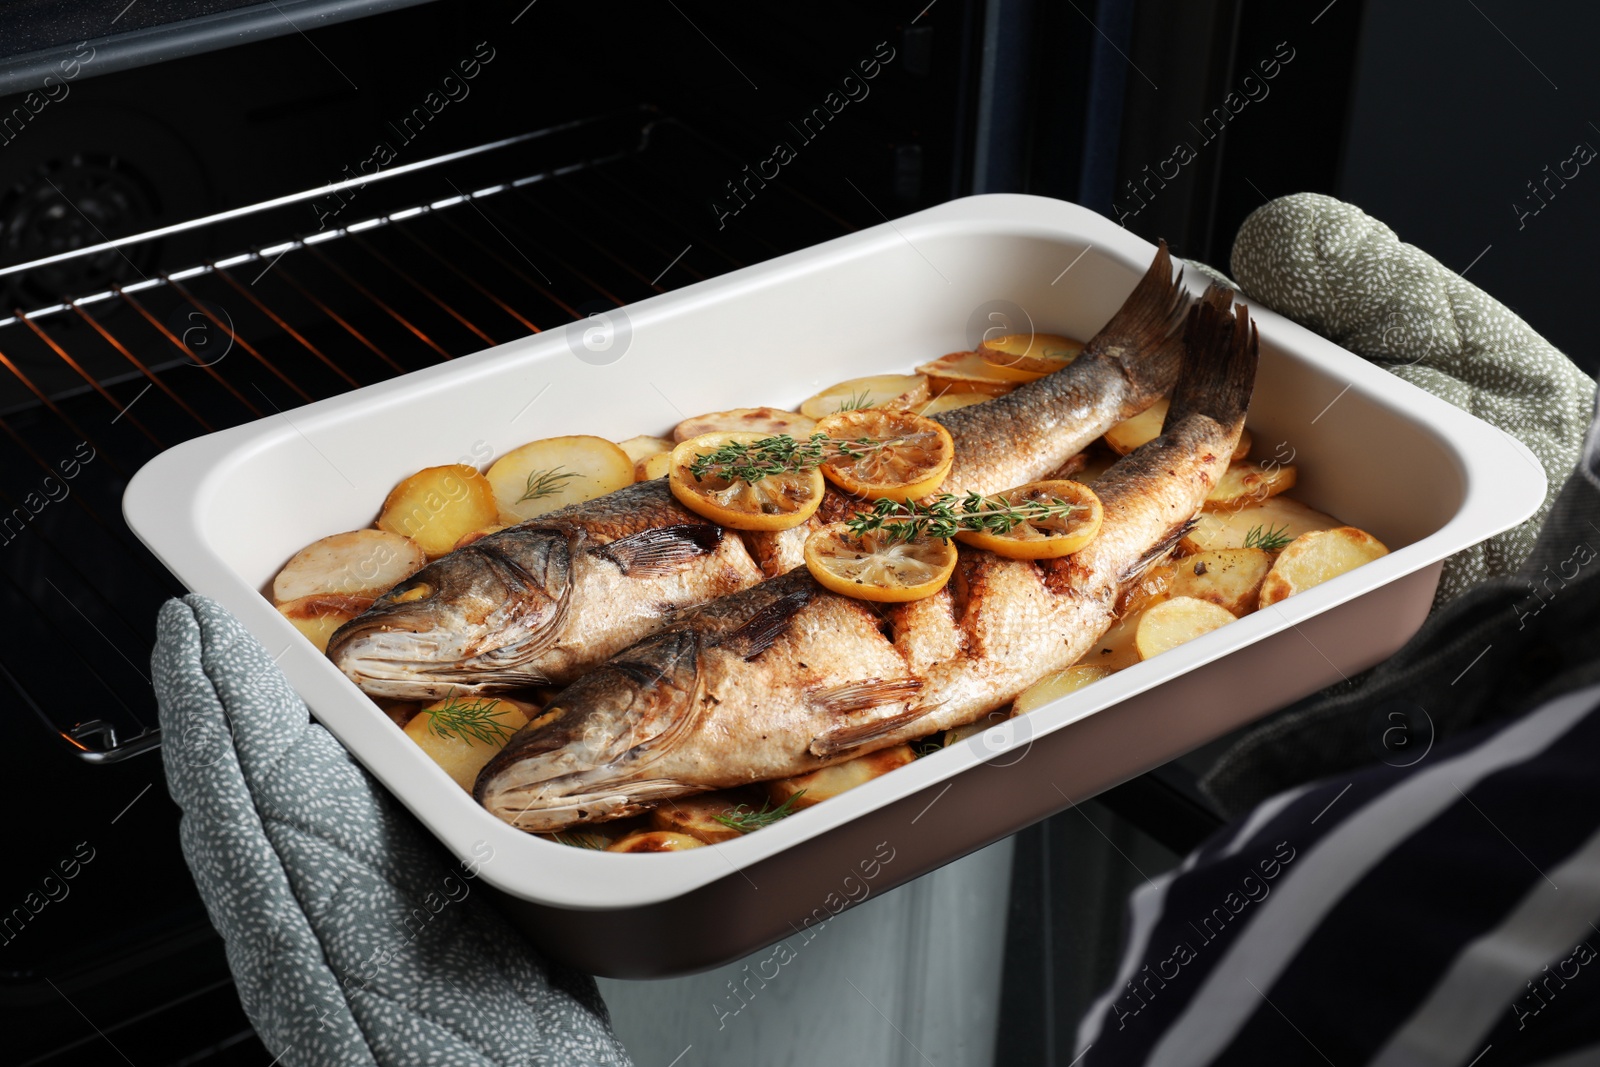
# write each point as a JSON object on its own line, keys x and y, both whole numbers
{"x": 539, "y": 602}
{"x": 786, "y": 677}
{"x": 543, "y": 600}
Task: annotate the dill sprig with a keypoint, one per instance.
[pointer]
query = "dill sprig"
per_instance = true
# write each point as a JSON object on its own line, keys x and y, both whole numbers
{"x": 780, "y": 454}
{"x": 1271, "y": 540}
{"x": 743, "y": 818}
{"x": 469, "y": 719}
{"x": 546, "y": 483}
{"x": 945, "y": 515}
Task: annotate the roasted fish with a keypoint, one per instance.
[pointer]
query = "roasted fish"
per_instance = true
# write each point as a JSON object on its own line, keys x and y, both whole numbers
{"x": 786, "y": 677}
{"x": 543, "y": 600}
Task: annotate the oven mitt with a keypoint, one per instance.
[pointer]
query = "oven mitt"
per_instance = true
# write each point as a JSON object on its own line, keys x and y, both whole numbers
{"x": 1338, "y": 271}
{"x": 352, "y": 936}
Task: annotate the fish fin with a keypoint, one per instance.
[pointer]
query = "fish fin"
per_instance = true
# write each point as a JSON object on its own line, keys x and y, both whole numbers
{"x": 858, "y": 696}
{"x": 1219, "y": 363}
{"x": 1158, "y": 551}
{"x": 845, "y": 736}
{"x": 661, "y": 550}
{"x": 768, "y": 623}
{"x": 1153, "y": 312}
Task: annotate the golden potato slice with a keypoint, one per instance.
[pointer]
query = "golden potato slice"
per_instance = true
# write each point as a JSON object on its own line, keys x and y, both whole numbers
{"x": 1115, "y": 649}
{"x": 358, "y": 563}
{"x": 966, "y": 372}
{"x": 1030, "y": 355}
{"x": 949, "y": 402}
{"x": 478, "y": 535}
{"x": 436, "y": 507}
{"x": 1227, "y": 577}
{"x": 598, "y": 836}
{"x": 1279, "y": 514}
{"x": 1243, "y": 484}
{"x": 643, "y": 447}
{"x": 1129, "y": 434}
{"x": 657, "y": 466}
{"x": 766, "y": 421}
{"x": 1057, "y": 685}
{"x": 461, "y": 734}
{"x": 841, "y": 777}
{"x": 1314, "y": 557}
{"x": 960, "y": 733}
{"x": 542, "y": 476}
{"x": 1175, "y": 621}
{"x": 876, "y": 391}
{"x": 696, "y": 816}
{"x": 317, "y": 616}
{"x": 655, "y": 841}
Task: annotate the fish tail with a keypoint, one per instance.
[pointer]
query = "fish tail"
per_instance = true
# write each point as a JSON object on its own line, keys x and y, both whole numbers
{"x": 1219, "y": 367}
{"x": 1153, "y": 315}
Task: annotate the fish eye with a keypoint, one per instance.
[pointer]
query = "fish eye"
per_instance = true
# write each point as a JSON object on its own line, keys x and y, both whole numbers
{"x": 420, "y": 591}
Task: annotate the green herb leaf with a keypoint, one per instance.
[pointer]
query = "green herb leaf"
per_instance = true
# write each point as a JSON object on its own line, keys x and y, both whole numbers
{"x": 474, "y": 719}
{"x": 581, "y": 839}
{"x": 947, "y": 514}
{"x": 546, "y": 483}
{"x": 855, "y": 402}
{"x": 743, "y": 818}
{"x": 782, "y": 454}
{"x": 1271, "y": 541}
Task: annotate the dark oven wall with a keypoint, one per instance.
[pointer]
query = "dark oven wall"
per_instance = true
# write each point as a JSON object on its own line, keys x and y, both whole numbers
{"x": 639, "y": 149}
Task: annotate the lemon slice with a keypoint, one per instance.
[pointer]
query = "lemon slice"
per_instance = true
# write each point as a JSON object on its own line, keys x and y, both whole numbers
{"x": 897, "y": 455}
{"x": 1047, "y": 538}
{"x": 776, "y": 502}
{"x": 1030, "y": 354}
{"x": 872, "y": 566}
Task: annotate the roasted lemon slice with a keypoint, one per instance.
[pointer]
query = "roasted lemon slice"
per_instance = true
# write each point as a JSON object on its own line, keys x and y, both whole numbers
{"x": 876, "y": 566}
{"x": 1032, "y": 355}
{"x": 882, "y": 453}
{"x": 1047, "y": 537}
{"x": 773, "y": 502}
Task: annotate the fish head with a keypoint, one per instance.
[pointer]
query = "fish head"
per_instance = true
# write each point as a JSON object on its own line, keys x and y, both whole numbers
{"x": 588, "y": 755}
{"x": 475, "y": 620}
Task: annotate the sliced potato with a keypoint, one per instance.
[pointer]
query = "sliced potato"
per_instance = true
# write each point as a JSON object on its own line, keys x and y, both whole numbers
{"x": 840, "y": 778}
{"x": 596, "y": 835}
{"x": 949, "y": 402}
{"x": 1313, "y": 558}
{"x": 478, "y": 535}
{"x": 1129, "y": 434}
{"x": 768, "y": 421}
{"x": 643, "y": 447}
{"x": 876, "y": 391}
{"x": 1115, "y": 649}
{"x": 319, "y": 615}
{"x": 1280, "y": 514}
{"x": 542, "y": 476}
{"x": 1175, "y": 621}
{"x": 358, "y": 563}
{"x": 437, "y": 506}
{"x": 1057, "y": 685}
{"x": 655, "y": 841}
{"x": 461, "y": 734}
{"x": 1151, "y": 588}
{"x": 1227, "y": 577}
{"x": 1242, "y": 449}
{"x": 967, "y": 372}
{"x": 657, "y": 466}
{"x": 1030, "y": 355}
{"x": 1243, "y": 484}
{"x": 960, "y": 733}
{"x": 697, "y": 816}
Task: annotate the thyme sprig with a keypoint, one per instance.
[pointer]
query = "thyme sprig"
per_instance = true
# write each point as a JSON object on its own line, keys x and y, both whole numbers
{"x": 855, "y": 402}
{"x": 546, "y": 483}
{"x": 745, "y": 819}
{"x": 946, "y": 515}
{"x": 1271, "y": 540}
{"x": 469, "y": 719}
{"x": 780, "y": 454}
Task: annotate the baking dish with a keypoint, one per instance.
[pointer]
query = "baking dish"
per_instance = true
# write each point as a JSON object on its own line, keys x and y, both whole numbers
{"x": 224, "y": 512}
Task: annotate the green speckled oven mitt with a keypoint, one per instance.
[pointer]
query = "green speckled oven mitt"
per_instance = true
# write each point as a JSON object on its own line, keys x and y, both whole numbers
{"x": 352, "y": 936}
{"x": 1337, "y": 270}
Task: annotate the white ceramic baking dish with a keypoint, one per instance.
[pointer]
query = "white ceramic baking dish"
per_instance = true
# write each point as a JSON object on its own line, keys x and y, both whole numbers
{"x": 224, "y": 512}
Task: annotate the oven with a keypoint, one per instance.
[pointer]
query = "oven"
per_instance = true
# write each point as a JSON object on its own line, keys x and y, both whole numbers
{"x": 213, "y": 212}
